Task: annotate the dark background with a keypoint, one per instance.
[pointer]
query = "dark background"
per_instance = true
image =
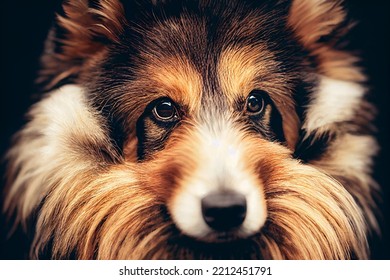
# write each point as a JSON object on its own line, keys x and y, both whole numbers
{"x": 24, "y": 26}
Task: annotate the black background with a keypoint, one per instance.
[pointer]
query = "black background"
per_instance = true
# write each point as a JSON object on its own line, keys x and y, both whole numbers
{"x": 24, "y": 26}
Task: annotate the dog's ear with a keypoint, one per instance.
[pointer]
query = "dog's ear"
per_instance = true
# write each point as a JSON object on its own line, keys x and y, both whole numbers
{"x": 321, "y": 26}
{"x": 82, "y": 29}
{"x": 313, "y": 20}
{"x": 88, "y": 24}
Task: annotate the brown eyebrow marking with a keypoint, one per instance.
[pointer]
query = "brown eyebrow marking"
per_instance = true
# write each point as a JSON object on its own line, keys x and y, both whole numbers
{"x": 177, "y": 79}
{"x": 238, "y": 68}
{"x": 243, "y": 69}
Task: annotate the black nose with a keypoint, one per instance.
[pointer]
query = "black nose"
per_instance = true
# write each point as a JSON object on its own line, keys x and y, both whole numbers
{"x": 223, "y": 211}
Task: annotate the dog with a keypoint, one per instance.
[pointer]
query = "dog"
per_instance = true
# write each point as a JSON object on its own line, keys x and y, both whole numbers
{"x": 197, "y": 130}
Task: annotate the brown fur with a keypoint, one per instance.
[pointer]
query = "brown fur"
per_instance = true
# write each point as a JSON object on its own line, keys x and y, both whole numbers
{"x": 313, "y": 20}
{"x": 94, "y": 199}
{"x": 244, "y": 69}
{"x": 104, "y": 209}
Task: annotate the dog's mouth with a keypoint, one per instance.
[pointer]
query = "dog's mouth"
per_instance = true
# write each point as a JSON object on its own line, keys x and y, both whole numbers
{"x": 227, "y": 245}
{"x": 225, "y": 236}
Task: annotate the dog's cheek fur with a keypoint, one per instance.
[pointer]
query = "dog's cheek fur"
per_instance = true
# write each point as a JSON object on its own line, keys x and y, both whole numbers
{"x": 118, "y": 213}
{"x": 122, "y": 212}
{"x": 299, "y": 197}
{"x": 65, "y": 164}
{"x": 63, "y": 136}
{"x": 338, "y": 118}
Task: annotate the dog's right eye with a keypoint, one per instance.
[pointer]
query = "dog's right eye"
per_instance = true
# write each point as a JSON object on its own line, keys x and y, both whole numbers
{"x": 165, "y": 110}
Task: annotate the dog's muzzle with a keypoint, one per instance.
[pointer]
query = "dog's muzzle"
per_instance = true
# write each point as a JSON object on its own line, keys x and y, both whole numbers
{"x": 221, "y": 199}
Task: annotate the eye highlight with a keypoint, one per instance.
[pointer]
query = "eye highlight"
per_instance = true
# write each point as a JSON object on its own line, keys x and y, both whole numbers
{"x": 255, "y": 103}
{"x": 165, "y": 110}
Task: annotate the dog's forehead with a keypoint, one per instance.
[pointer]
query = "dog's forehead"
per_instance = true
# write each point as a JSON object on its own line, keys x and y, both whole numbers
{"x": 192, "y": 67}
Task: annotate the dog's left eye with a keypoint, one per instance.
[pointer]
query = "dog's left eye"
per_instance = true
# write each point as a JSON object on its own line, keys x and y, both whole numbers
{"x": 165, "y": 110}
{"x": 255, "y": 103}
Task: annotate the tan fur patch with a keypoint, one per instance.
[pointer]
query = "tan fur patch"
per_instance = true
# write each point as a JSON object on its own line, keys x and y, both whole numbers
{"x": 174, "y": 78}
{"x": 338, "y": 64}
{"x": 177, "y": 79}
{"x": 239, "y": 69}
{"x": 242, "y": 70}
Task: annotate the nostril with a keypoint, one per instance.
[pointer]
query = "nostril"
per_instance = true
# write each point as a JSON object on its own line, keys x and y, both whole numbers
{"x": 223, "y": 211}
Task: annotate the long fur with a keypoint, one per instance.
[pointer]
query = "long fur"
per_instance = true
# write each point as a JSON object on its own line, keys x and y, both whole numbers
{"x": 101, "y": 180}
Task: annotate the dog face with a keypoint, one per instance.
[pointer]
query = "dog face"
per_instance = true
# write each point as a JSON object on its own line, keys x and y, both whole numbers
{"x": 197, "y": 129}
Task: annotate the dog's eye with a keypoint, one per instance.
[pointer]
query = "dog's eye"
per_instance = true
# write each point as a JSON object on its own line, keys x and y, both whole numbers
{"x": 164, "y": 110}
{"x": 255, "y": 103}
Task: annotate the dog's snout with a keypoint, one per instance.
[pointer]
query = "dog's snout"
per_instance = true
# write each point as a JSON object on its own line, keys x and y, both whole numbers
{"x": 224, "y": 211}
